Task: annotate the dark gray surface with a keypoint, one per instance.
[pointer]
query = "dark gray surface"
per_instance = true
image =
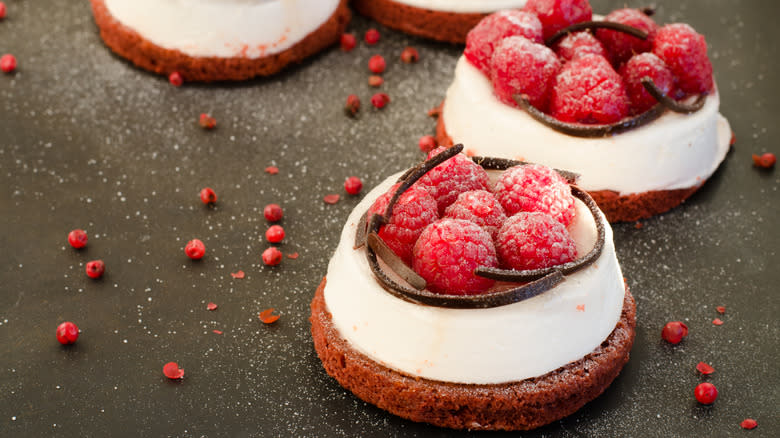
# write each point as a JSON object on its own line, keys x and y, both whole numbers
{"x": 88, "y": 141}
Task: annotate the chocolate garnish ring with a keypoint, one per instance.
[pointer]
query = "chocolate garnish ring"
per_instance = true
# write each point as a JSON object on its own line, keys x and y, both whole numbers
{"x": 360, "y": 235}
{"x": 668, "y": 102}
{"x": 565, "y": 268}
{"x": 492, "y": 163}
{"x": 588, "y": 25}
{"x": 376, "y": 249}
{"x": 583, "y": 130}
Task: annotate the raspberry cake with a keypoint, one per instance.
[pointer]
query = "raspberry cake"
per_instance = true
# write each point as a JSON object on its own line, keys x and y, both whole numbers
{"x": 215, "y": 40}
{"x": 475, "y": 296}
{"x": 629, "y": 105}
{"x": 441, "y": 20}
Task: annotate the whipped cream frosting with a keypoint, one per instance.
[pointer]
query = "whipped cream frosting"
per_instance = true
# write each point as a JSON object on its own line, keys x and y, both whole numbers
{"x": 673, "y": 152}
{"x": 223, "y": 28}
{"x": 465, "y": 6}
{"x": 475, "y": 346}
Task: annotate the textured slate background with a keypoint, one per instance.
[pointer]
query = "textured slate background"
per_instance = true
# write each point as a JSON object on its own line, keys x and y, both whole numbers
{"x": 88, "y": 141}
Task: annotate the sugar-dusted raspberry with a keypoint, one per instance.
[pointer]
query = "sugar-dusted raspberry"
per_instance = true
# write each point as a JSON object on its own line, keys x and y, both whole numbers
{"x": 447, "y": 253}
{"x": 578, "y": 44}
{"x": 480, "y": 207}
{"x": 520, "y": 66}
{"x": 622, "y": 45}
{"x": 485, "y": 36}
{"x": 588, "y": 90}
{"x": 533, "y": 241}
{"x": 685, "y": 52}
{"x": 414, "y": 210}
{"x": 451, "y": 178}
{"x": 557, "y": 14}
{"x": 533, "y": 187}
{"x": 638, "y": 67}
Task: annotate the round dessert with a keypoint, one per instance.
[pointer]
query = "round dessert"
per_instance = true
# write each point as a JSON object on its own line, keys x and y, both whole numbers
{"x": 498, "y": 347}
{"x": 218, "y": 40}
{"x": 441, "y": 20}
{"x": 629, "y": 105}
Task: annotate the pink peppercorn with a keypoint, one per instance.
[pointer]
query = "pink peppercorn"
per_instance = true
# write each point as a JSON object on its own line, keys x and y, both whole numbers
{"x": 274, "y": 234}
{"x": 176, "y": 79}
{"x": 353, "y": 185}
{"x": 95, "y": 268}
{"x": 67, "y": 333}
{"x": 8, "y": 63}
{"x": 348, "y": 42}
{"x": 273, "y": 213}
{"x": 195, "y": 249}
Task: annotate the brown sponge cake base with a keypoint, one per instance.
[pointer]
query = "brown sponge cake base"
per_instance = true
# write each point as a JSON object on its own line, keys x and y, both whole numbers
{"x": 616, "y": 207}
{"x": 450, "y": 27}
{"x": 129, "y": 44}
{"x": 522, "y": 405}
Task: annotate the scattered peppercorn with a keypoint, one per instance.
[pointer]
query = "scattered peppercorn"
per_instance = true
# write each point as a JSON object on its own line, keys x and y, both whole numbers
{"x": 380, "y": 100}
{"x": 765, "y": 161}
{"x": 272, "y": 170}
{"x": 272, "y": 256}
{"x": 67, "y": 333}
{"x": 274, "y": 234}
{"x": 706, "y": 393}
{"x": 352, "y": 106}
{"x": 175, "y": 79}
{"x": 348, "y": 42}
{"x": 372, "y": 36}
{"x": 704, "y": 368}
{"x": 353, "y": 185}
{"x": 77, "y": 238}
{"x": 195, "y": 249}
{"x": 211, "y": 306}
{"x": 266, "y": 317}
{"x": 8, "y": 63}
{"x": 410, "y": 55}
{"x": 207, "y": 122}
{"x": 673, "y": 332}
{"x": 172, "y": 371}
{"x": 2, "y": 10}
{"x": 273, "y": 212}
{"x": 95, "y": 268}
{"x": 427, "y": 143}
{"x": 375, "y": 81}
{"x": 377, "y": 64}
{"x": 208, "y": 196}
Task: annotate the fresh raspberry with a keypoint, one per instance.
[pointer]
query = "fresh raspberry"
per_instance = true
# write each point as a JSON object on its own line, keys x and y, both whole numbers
{"x": 480, "y": 207}
{"x": 447, "y": 253}
{"x": 519, "y": 66}
{"x": 557, "y": 14}
{"x": 534, "y": 240}
{"x": 380, "y": 100}
{"x": 485, "y": 36}
{"x": 685, "y": 52}
{"x": 451, "y": 178}
{"x": 415, "y": 210}
{"x": 578, "y": 44}
{"x": 622, "y": 45}
{"x": 639, "y": 66}
{"x": 534, "y": 187}
{"x": 588, "y": 90}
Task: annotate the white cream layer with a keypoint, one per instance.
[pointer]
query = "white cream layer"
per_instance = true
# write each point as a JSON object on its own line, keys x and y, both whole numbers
{"x": 673, "y": 152}
{"x": 223, "y": 28}
{"x": 465, "y": 6}
{"x": 480, "y": 346}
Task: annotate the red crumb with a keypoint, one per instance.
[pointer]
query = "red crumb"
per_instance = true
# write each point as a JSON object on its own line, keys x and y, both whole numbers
{"x": 266, "y": 317}
{"x": 331, "y": 199}
{"x": 435, "y": 111}
{"x": 207, "y": 122}
{"x": 272, "y": 170}
{"x": 292, "y": 255}
{"x": 748, "y": 423}
{"x": 705, "y": 393}
{"x": 705, "y": 368}
{"x": 733, "y": 139}
{"x": 272, "y": 256}
{"x": 674, "y": 331}
{"x": 172, "y": 371}
{"x": 721, "y": 309}
{"x": 2, "y": 10}
{"x": 211, "y": 306}
{"x": 717, "y": 321}
{"x": 208, "y": 196}
{"x": 239, "y": 274}
{"x": 765, "y": 161}
{"x": 219, "y": 332}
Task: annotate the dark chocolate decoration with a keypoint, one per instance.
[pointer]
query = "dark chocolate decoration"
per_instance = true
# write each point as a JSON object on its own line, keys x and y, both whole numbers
{"x": 565, "y": 268}
{"x": 538, "y": 281}
{"x": 668, "y": 102}
{"x": 589, "y": 25}
{"x": 394, "y": 262}
{"x": 648, "y": 10}
{"x": 360, "y": 235}
{"x": 590, "y": 131}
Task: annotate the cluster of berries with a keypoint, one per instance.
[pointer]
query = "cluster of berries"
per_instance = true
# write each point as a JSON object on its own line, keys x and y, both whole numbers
{"x": 454, "y": 220}
{"x": 591, "y": 78}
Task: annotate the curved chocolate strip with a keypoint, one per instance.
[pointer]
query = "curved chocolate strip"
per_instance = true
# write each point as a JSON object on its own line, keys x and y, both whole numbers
{"x": 668, "y": 102}
{"x": 394, "y": 262}
{"x": 585, "y": 25}
{"x": 565, "y": 268}
{"x": 583, "y": 130}
{"x": 360, "y": 235}
{"x": 491, "y": 163}
{"x": 648, "y": 10}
